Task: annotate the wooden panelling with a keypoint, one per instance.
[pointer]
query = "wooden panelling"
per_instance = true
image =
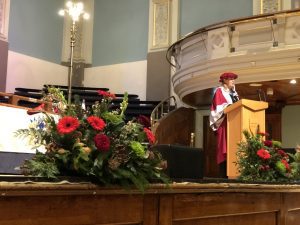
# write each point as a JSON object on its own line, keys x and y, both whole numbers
{"x": 221, "y": 204}
{"x": 181, "y": 120}
{"x": 293, "y": 217}
{"x": 150, "y": 210}
{"x": 269, "y": 218}
{"x": 72, "y": 210}
{"x": 181, "y": 204}
{"x": 291, "y": 200}
{"x": 166, "y": 210}
{"x": 291, "y": 209}
{"x": 273, "y": 126}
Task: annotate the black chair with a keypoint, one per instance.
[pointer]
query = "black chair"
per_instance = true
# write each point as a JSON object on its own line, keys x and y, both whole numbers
{"x": 184, "y": 163}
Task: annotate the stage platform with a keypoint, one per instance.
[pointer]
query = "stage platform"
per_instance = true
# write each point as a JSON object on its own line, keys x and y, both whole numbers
{"x": 222, "y": 202}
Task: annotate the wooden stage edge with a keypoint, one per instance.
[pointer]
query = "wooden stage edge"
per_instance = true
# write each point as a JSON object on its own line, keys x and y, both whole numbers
{"x": 18, "y": 188}
{"x": 209, "y": 203}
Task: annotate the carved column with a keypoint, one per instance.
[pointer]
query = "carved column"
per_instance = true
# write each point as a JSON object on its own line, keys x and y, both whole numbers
{"x": 270, "y": 6}
{"x": 163, "y": 30}
{"x": 159, "y": 29}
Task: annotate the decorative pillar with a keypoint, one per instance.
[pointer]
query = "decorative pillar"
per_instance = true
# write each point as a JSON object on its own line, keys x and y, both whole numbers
{"x": 163, "y": 23}
{"x": 271, "y": 6}
{"x": 163, "y": 31}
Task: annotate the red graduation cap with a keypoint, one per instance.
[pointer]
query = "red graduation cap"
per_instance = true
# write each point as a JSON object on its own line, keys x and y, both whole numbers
{"x": 228, "y": 75}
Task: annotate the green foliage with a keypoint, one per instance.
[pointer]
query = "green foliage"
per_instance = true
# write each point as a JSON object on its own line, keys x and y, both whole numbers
{"x": 41, "y": 166}
{"x": 95, "y": 143}
{"x": 54, "y": 95}
{"x": 260, "y": 160}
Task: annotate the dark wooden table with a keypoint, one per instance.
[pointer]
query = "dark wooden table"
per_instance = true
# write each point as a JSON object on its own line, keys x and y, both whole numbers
{"x": 65, "y": 203}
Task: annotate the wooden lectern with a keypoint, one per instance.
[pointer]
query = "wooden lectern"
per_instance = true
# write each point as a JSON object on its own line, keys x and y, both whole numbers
{"x": 242, "y": 115}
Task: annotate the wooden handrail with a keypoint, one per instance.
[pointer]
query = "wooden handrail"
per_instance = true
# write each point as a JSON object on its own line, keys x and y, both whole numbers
{"x": 14, "y": 100}
{"x": 9, "y": 95}
{"x": 159, "y": 111}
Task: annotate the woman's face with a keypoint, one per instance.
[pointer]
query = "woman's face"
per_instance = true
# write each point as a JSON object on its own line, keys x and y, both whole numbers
{"x": 229, "y": 83}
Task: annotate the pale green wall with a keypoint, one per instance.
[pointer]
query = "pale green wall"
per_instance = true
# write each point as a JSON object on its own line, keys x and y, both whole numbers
{"x": 195, "y": 14}
{"x": 291, "y": 126}
{"x": 120, "y": 31}
{"x": 35, "y": 29}
{"x": 120, "y": 26}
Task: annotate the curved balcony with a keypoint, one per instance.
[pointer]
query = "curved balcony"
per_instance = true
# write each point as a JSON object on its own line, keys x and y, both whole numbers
{"x": 262, "y": 49}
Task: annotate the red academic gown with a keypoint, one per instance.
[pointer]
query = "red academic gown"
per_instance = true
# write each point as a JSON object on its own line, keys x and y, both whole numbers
{"x": 218, "y": 121}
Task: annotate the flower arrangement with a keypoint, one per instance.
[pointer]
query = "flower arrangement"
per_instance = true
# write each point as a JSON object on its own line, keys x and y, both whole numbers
{"x": 97, "y": 143}
{"x": 264, "y": 160}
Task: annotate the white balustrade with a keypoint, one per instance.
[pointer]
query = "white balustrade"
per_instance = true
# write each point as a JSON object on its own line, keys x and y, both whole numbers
{"x": 259, "y": 48}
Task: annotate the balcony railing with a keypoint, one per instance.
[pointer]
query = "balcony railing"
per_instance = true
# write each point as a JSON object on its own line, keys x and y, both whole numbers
{"x": 259, "y": 48}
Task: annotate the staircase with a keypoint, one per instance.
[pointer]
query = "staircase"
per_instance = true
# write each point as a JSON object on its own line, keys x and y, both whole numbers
{"x": 162, "y": 109}
{"x": 172, "y": 125}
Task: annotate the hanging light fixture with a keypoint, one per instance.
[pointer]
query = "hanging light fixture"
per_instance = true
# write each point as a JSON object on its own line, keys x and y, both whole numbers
{"x": 270, "y": 91}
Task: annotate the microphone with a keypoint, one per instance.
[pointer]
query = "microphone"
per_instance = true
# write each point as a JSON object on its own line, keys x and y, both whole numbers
{"x": 234, "y": 95}
{"x": 261, "y": 95}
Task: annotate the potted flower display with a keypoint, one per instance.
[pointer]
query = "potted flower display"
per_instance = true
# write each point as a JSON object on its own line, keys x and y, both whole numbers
{"x": 96, "y": 143}
{"x": 265, "y": 160}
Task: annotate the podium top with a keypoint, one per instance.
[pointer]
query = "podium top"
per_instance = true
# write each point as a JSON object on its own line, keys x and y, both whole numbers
{"x": 251, "y": 104}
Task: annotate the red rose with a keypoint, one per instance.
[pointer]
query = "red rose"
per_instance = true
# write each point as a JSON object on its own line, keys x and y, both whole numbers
{"x": 150, "y": 135}
{"x": 96, "y": 122}
{"x": 106, "y": 94}
{"x": 102, "y": 142}
{"x": 282, "y": 153}
{"x": 144, "y": 120}
{"x": 268, "y": 143}
{"x": 67, "y": 124}
{"x": 264, "y": 154}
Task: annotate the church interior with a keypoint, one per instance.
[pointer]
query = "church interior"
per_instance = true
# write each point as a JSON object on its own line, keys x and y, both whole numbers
{"x": 165, "y": 57}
